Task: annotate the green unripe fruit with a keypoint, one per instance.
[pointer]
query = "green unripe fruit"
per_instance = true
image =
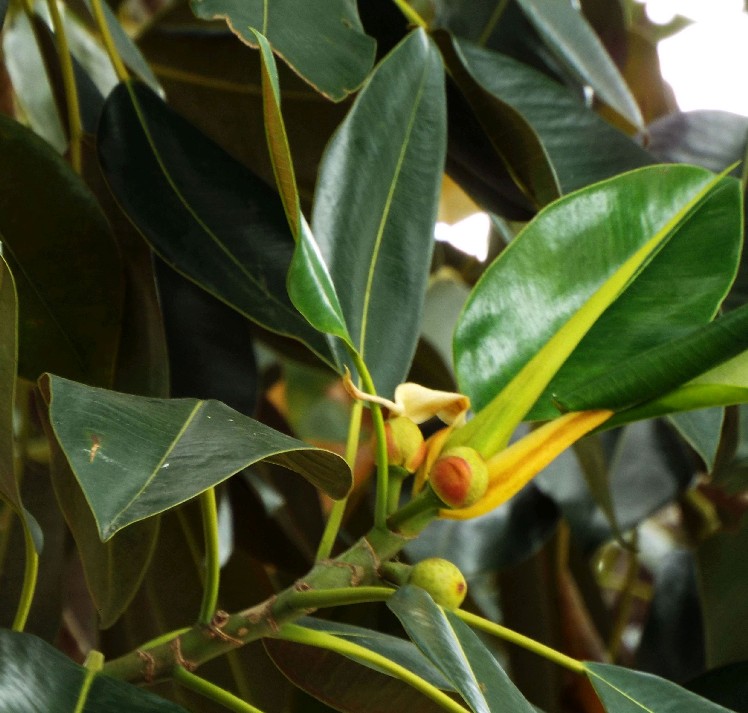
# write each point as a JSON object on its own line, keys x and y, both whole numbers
{"x": 442, "y": 580}
{"x": 405, "y": 444}
{"x": 459, "y": 477}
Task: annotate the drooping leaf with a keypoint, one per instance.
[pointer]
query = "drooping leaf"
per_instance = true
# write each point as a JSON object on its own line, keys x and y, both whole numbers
{"x": 185, "y": 446}
{"x": 702, "y": 430}
{"x": 113, "y": 570}
{"x": 624, "y": 690}
{"x": 36, "y": 677}
{"x": 664, "y": 367}
{"x": 375, "y": 205}
{"x": 126, "y": 48}
{"x": 67, "y": 270}
{"x": 571, "y": 38}
{"x": 454, "y": 649}
{"x": 206, "y": 215}
{"x": 322, "y": 40}
{"x": 309, "y": 283}
{"x": 525, "y": 317}
{"x": 558, "y": 118}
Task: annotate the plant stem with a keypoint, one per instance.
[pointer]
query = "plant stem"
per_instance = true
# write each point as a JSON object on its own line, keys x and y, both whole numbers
{"x": 525, "y": 642}
{"x": 411, "y": 14}
{"x": 75, "y": 126}
{"x": 211, "y": 584}
{"x": 211, "y": 691}
{"x": 335, "y": 518}
{"x": 30, "y": 572}
{"x": 322, "y": 598}
{"x": 380, "y": 505}
{"x": 108, "y": 40}
{"x": 625, "y": 601}
{"x": 323, "y": 640}
{"x": 94, "y": 663}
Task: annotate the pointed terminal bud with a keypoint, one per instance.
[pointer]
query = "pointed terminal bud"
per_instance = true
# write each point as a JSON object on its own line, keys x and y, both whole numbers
{"x": 441, "y": 579}
{"x": 459, "y": 477}
{"x": 405, "y": 444}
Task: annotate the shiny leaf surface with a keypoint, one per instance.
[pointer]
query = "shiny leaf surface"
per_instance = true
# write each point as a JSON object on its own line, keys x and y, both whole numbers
{"x": 457, "y": 652}
{"x": 570, "y": 37}
{"x": 36, "y": 677}
{"x": 185, "y": 446}
{"x": 322, "y": 40}
{"x": 524, "y": 317}
{"x": 205, "y": 214}
{"x": 623, "y": 690}
{"x": 375, "y": 205}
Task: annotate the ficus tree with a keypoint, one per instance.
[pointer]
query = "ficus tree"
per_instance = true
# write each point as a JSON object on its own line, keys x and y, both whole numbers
{"x": 266, "y": 445}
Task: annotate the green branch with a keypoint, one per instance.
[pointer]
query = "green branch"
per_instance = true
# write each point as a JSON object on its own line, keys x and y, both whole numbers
{"x": 211, "y": 691}
{"x": 108, "y": 40}
{"x": 525, "y": 642}
{"x": 323, "y": 640}
{"x": 411, "y": 14}
{"x": 30, "y": 573}
{"x": 212, "y": 565}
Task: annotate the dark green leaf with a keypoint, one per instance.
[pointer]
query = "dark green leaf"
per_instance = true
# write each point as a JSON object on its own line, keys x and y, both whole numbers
{"x": 375, "y": 205}
{"x": 723, "y": 582}
{"x": 398, "y": 650}
{"x": 570, "y": 37}
{"x": 344, "y": 684}
{"x": 623, "y": 690}
{"x": 562, "y": 123}
{"x": 457, "y": 652}
{"x": 113, "y": 570}
{"x": 727, "y": 685}
{"x": 185, "y": 446}
{"x": 36, "y": 678}
{"x": 322, "y": 40}
{"x": 67, "y": 270}
{"x": 309, "y": 283}
{"x": 204, "y": 213}
{"x": 526, "y": 295}
{"x": 662, "y": 368}
{"x": 702, "y": 430}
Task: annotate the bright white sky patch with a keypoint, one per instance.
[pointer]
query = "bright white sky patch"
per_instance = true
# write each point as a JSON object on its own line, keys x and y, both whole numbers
{"x": 469, "y": 235}
{"x": 703, "y": 62}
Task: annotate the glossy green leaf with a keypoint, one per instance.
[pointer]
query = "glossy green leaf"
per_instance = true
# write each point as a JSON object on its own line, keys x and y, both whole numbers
{"x": 724, "y": 385}
{"x": 185, "y": 446}
{"x": 662, "y": 368}
{"x": 37, "y": 678}
{"x": 702, "y": 430}
{"x": 322, "y": 40}
{"x": 375, "y": 205}
{"x": 454, "y": 649}
{"x": 582, "y": 147}
{"x": 68, "y": 276}
{"x": 623, "y": 690}
{"x": 207, "y": 215}
{"x": 398, "y": 650}
{"x": 569, "y": 36}
{"x": 511, "y": 134}
{"x": 309, "y": 283}
{"x": 525, "y": 317}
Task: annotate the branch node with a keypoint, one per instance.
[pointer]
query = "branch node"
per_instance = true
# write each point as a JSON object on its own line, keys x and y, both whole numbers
{"x": 215, "y": 629}
{"x": 176, "y": 647}
{"x": 357, "y": 571}
{"x": 149, "y": 665}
